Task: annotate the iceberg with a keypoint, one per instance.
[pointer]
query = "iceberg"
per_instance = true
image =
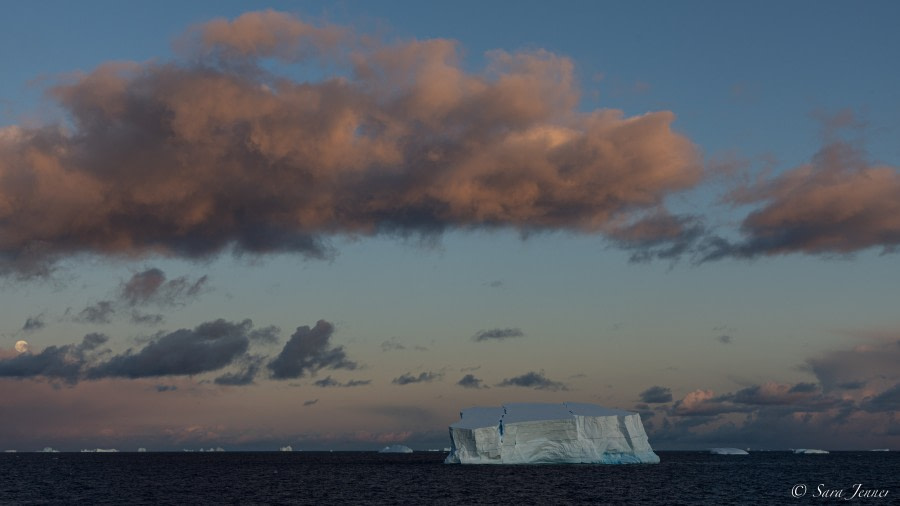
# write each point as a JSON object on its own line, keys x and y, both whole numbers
{"x": 809, "y": 451}
{"x": 727, "y": 451}
{"x": 395, "y": 449}
{"x": 533, "y": 433}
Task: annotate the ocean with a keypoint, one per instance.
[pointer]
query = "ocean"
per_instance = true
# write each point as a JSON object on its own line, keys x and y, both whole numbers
{"x": 421, "y": 478}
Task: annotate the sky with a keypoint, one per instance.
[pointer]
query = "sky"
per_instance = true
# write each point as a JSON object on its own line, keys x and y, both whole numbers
{"x": 334, "y": 225}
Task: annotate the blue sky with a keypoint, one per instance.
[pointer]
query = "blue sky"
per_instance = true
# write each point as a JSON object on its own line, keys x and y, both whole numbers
{"x": 778, "y": 310}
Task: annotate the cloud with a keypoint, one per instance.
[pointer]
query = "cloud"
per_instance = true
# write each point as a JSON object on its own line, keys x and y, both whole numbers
{"x": 887, "y": 401}
{"x": 659, "y": 235}
{"x": 772, "y": 393}
{"x": 872, "y": 363}
{"x": 243, "y": 377}
{"x": 724, "y": 339}
{"x": 408, "y": 378}
{"x": 498, "y": 334}
{"x": 656, "y": 395}
{"x": 54, "y": 362}
{"x": 470, "y": 381}
{"x": 140, "y": 318}
{"x": 208, "y": 347}
{"x": 307, "y": 351}
{"x": 34, "y": 323}
{"x": 310, "y": 402}
{"x": 838, "y": 203}
{"x": 330, "y": 382}
{"x": 151, "y": 286}
{"x": 392, "y": 344}
{"x": 101, "y": 312}
{"x": 166, "y": 388}
{"x": 403, "y": 139}
{"x": 533, "y": 380}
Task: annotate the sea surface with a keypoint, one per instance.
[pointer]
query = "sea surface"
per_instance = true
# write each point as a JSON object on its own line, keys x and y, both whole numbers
{"x": 421, "y": 478}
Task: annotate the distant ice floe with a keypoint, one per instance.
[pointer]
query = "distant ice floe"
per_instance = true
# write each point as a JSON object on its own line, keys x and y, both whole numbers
{"x": 727, "y": 451}
{"x": 809, "y": 451}
{"x": 100, "y": 450}
{"x": 142, "y": 450}
{"x": 48, "y": 449}
{"x": 396, "y": 449}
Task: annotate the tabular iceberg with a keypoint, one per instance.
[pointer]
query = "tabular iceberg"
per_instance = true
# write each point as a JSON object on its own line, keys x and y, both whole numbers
{"x": 527, "y": 433}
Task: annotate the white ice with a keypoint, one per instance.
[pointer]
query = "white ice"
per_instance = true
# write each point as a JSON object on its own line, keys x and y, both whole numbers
{"x": 727, "y": 451}
{"x": 396, "y": 449}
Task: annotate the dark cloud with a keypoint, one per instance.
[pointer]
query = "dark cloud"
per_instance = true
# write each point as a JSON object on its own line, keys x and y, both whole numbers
{"x": 656, "y": 395}
{"x": 886, "y": 401}
{"x": 266, "y": 335}
{"x": 212, "y": 151}
{"x": 166, "y": 388}
{"x": 208, "y": 347}
{"x": 243, "y": 377}
{"x": 101, "y": 312}
{"x": 838, "y": 203}
{"x": 330, "y": 382}
{"x": 307, "y": 351}
{"x": 533, "y": 380}
{"x": 660, "y": 236}
{"x": 865, "y": 363}
{"x": 151, "y": 287}
{"x": 140, "y": 318}
{"x": 772, "y": 394}
{"x": 144, "y": 288}
{"x": 498, "y": 334}
{"x": 470, "y": 381}
{"x": 408, "y": 378}
{"x": 54, "y": 362}
{"x": 392, "y": 344}
{"x": 724, "y": 339}
{"x": 310, "y": 402}
{"x": 33, "y": 323}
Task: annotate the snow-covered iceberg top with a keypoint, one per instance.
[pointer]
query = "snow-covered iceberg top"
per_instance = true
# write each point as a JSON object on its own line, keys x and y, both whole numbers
{"x": 396, "y": 449}
{"x": 531, "y": 433}
{"x": 727, "y": 451}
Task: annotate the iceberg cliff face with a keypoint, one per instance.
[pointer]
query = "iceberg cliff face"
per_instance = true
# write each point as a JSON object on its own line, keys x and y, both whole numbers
{"x": 528, "y": 433}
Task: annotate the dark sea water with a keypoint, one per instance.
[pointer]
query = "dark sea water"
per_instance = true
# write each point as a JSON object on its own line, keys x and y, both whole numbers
{"x": 422, "y": 478}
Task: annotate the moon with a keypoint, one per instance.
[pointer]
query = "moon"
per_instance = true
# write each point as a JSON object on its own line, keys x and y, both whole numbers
{"x": 22, "y": 346}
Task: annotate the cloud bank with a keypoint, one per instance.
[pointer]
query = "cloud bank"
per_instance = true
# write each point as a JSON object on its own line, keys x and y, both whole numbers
{"x": 218, "y": 345}
{"x": 189, "y": 157}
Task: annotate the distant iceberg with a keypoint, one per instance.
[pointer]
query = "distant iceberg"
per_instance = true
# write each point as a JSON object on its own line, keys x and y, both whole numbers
{"x": 727, "y": 451}
{"x": 48, "y": 449}
{"x": 287, "y": 448}
{"x": 809, "y": 451}
{"x": 395, "y": 449}
{"x": 100, "y": 450}
{"x": 531, "y": 433}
